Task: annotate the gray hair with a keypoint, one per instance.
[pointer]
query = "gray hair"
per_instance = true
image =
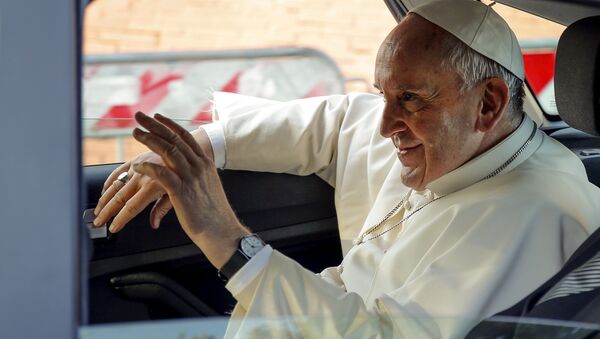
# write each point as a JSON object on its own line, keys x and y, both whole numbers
{"x": 474, "y": 67}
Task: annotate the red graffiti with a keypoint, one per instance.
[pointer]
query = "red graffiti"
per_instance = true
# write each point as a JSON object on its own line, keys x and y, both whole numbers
{"x": 153, "y": 89}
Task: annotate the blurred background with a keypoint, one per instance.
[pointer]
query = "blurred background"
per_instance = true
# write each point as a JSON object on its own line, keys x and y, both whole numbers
{"x": 168, "y": 56}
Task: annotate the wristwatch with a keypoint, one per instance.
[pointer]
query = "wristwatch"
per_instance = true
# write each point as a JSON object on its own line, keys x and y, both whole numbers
{"x": 248, "y": 246}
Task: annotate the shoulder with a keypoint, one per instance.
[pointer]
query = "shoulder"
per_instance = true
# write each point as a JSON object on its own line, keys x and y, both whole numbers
{"x": 539, "y": 196}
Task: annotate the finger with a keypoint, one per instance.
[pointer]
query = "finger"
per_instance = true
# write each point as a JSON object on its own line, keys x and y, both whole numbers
{"x": 156, "y": 127}
{"x": 113, "y": 176}
{"x": 169, "y": 152}
{"x": 135, "y": 205}
{"x": 161, "y": 208}
{"x": 182, "y": 133}
{"x": 115, "y": 198}
{"x": 169, "y": 181}
{"x": 107, "y": 196}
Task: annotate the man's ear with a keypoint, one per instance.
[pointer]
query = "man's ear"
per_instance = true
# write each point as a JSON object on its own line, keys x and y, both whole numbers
{"x": 494, "y": 100}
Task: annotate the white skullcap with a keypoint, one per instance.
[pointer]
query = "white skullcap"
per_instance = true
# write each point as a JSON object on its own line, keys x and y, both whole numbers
{"x": 478, "y": 26}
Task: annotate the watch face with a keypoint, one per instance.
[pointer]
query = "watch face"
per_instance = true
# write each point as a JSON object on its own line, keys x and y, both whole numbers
{"x": 251, "y": 245}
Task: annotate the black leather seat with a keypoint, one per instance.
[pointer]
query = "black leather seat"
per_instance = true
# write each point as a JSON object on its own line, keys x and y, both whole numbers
{"x": 573, "y": 294}
{"x": 587, "y": 148}
{"x": 577, "y": 91}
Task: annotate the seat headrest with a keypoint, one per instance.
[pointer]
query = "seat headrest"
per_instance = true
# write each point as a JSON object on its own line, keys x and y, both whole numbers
{"x": 577, "y": 75}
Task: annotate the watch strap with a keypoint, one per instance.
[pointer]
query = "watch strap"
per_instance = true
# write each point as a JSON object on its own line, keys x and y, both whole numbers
{"x": 234, "y": 264}
{"x": 238, "y": 259}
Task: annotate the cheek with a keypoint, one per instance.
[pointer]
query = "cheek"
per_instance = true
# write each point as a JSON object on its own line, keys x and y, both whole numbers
{"x": 454, "y": 144}
{"x": 443, "y": 143}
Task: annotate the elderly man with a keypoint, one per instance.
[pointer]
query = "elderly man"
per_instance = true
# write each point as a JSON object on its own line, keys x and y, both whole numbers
{"x": 479, "y": 210}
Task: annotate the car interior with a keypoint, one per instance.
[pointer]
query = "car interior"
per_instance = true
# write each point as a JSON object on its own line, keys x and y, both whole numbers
{"x": 576, "y": 90}
{"x": 577, "y": 98}
{"x": 145, "y": 274}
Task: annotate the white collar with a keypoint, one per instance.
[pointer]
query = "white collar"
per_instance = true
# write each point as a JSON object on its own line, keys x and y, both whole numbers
{"x": 486, "y": 163}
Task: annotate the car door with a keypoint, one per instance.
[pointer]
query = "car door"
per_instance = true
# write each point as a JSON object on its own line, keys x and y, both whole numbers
{"x": 141, "y": 273}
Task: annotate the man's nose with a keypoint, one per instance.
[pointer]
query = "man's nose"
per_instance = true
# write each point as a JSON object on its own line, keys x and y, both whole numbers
{"x": 391, "y": 123}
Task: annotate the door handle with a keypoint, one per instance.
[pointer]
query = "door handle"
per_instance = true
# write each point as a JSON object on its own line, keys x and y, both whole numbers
{"x": 95, "y": 232}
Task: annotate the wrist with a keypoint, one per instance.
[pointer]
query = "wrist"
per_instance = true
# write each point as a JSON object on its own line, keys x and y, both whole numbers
{"x": 218, "y": 248}
{"x": 203, "y": 140}
{"x": 248, "y": 247}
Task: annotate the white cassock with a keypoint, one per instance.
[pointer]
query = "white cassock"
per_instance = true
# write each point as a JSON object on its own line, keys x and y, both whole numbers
{"x": 471, "y": 246}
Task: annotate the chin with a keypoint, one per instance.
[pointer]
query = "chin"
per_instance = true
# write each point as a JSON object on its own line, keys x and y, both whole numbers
{"x": 414, "y": 181}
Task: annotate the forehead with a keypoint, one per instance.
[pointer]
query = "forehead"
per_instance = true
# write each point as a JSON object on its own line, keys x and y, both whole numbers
{"x": 410, "y": 53}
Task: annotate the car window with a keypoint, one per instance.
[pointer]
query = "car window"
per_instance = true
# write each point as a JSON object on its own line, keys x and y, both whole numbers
{"x": 169, "y": 59}
{"x": 153, "y": 56}
{"x": 538, "y": 38}
{"x": 216, "y": 327}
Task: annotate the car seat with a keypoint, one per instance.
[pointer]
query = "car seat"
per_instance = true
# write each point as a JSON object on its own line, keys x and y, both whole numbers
{"x": 577, "y": 82}
{"x": 573, "y": 294}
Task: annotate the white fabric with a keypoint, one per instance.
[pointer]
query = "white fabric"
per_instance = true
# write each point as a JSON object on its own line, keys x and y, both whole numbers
{"x": 478, "y": 249}
{"x": 249, "y": 271}
{"x": 293, "y": 147}
{"x": 217, "y": 140}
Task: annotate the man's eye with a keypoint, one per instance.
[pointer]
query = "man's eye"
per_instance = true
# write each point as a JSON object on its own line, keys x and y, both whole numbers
{"x": 408, "y": 97}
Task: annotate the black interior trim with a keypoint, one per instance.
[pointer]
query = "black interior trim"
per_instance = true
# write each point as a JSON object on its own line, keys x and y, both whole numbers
{"x": 397, "y": 8}
{"x": 156, "y": 287}
{"x": 317, "y": 231}
{"x": 562, "y": 12}
{"x": 262, "y": 201}
{"x": 294, "y": 214}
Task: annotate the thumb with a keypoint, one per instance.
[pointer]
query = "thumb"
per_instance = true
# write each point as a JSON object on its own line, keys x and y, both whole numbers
{"x": 159, "y": 210}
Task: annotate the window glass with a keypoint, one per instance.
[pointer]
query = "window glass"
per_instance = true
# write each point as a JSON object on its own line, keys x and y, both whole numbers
{"x": 538, "y": 38}
{"x": 215, "y": 327}
{"x": 154, "y": 56}
{"x": 167, "y": 57}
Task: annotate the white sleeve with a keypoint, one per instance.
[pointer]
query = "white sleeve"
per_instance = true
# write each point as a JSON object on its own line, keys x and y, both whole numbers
{"x": 287, "y": 301}
{"x": 297, "y": 137}
{"x": 249, "y": 271}
{"x": 471, "y": 274}
{"x": 217, "y": 140}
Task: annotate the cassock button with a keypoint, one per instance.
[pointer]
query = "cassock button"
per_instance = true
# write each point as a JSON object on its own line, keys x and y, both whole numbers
{"x": 407, "y": 205}
{"x": 429, "y": 195}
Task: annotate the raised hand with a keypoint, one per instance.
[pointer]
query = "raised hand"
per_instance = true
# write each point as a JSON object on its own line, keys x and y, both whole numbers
{"x": 190, "y": 179}
{"x": 125, "y": 200}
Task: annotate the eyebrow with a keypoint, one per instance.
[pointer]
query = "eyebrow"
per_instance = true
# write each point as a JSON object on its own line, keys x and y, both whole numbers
{"x": 426, "y": 93}
{"x": 399, "y": 88}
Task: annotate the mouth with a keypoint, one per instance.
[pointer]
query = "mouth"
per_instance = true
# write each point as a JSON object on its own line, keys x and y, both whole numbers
{"x": 409, "y": 156}
{"x": 402, "y": 150}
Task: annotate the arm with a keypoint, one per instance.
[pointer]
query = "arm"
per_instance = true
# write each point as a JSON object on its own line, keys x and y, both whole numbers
{"x": 445, "y": 301}
{"x": 298, "y": 137}
{"x": 470, "y": 266}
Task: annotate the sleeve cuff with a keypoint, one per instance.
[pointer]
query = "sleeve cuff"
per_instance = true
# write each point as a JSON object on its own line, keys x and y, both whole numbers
{"x": 242, "y": 278}
{"x": 217, "y": 140}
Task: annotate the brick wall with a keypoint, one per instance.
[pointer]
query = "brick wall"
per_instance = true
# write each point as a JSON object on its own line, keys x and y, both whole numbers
{"x": 347, "y": 30}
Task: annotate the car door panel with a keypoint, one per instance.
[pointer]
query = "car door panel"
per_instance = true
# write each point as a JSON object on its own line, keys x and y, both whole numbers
{"x": 141, "y": 273}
